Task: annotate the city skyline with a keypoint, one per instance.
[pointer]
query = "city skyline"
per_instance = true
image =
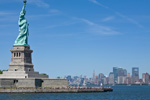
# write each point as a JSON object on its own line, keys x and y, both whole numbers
{"x": 96, "y": 73}
{"x": 79, "y": 36}
{"x": 117, "y": 76}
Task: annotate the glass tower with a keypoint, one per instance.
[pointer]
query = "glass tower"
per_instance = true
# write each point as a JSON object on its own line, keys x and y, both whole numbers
{"x": 135, "y": 74}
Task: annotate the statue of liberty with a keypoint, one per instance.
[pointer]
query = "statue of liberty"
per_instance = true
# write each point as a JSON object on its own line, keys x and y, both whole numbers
{"x": 22, "y": 39}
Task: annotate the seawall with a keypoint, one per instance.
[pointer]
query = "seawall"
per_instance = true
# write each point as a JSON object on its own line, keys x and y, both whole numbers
{"x": 55, "y": 90}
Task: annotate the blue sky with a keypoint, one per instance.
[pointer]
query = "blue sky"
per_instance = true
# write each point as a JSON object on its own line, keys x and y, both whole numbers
{"x": 75, "y": 37}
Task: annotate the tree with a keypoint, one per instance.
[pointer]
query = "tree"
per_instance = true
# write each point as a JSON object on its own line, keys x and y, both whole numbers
{"x": 1, "y": 72}
{"x": 43, "y": 74}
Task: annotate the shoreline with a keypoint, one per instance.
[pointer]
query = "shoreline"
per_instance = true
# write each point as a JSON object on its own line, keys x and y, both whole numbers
{"x": 57, "y": 90}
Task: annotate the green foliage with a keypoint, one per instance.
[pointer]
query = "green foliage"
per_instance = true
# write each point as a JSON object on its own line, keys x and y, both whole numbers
{"x": 7, "y": 87}
{"x": 48, "y": 87}
{"x": 43, "y": 74}
{"x": 1, "y": 71}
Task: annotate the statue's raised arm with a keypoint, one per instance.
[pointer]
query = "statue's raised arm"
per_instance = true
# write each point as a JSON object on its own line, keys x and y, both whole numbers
{"x": 23, "y": 12}
{"x": 22, "y": 38}
{"x": 23, "y": 8}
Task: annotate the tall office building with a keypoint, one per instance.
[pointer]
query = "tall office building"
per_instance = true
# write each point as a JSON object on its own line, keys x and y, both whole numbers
{"x": 135, "y": 74}
{"x": 124, "y": 72}
{"x": 111, "y": 78}
{"x": 115, "y": 71}
{"x": 94, "y": 76}
{"x": 121, "y": 79}
{"x": 119, "y": 72}
{"x": 145, "y": 78}
{"x": 101, "y": 75}
{"x": 129, "y": 75}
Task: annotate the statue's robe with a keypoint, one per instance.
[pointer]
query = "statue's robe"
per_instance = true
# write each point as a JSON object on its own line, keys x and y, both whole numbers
{"x": 22, "y": 38}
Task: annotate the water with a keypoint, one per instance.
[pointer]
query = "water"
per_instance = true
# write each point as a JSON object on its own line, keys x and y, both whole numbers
{"x": 119, "y": 93}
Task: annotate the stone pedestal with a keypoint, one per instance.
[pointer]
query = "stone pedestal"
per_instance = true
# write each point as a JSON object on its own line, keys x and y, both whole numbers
{"x": 21, "y": 64}
{"x": 21, "y": 72}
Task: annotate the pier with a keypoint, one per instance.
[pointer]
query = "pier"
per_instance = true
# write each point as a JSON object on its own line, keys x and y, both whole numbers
{"x": 57, "y": 90}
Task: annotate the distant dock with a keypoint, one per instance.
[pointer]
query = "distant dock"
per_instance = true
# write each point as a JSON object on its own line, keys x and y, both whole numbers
{"x": 57, "y": 90}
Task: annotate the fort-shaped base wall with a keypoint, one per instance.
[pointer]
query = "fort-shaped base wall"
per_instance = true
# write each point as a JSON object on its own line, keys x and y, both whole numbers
{"x": 32, "y": 82}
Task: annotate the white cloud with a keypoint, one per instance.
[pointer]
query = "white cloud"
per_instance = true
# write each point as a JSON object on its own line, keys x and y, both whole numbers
{"x": 62, "y": 24}
{"x": 39, "y": 16}
{"x": 103, "y": 30}
{"x": 118, "y": 14}
{"x": 129, "y": 19}
{"x": 4, "y": 13}
{"x": 96, "y": 2}
{"x": 98, "y": 29}
{"x": 7, "y": 16}
{"x": 39, "y": 3}
{"x": 108, "y": 18}
{"x": 85, "y": 21}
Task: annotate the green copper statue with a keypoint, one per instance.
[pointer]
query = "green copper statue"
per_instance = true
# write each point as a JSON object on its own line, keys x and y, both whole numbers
{"x": 22, "y": 39}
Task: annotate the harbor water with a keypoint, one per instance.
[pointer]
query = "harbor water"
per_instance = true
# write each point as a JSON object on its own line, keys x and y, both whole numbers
{"x": 120, "y": 92}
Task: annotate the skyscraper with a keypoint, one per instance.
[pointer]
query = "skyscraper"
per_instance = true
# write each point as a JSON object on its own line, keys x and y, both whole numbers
{"x": 94, "y": 76}
{"x": 124, "y": 72}
{"x": 101, "y": 75}
{"x": 135, "y": 74}
{"x": 119, "y": 72}
{"x": 115, "y": 71}
{"x": 121, "y": 79}
{"x": 111, "y": 78}
{"x": 145, "y": 78}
